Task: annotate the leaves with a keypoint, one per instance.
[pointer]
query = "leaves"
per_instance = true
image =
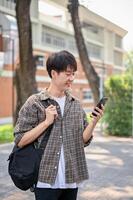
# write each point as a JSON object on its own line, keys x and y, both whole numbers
{"x": 118, "y": 113}
{"x": 6, "y": 133}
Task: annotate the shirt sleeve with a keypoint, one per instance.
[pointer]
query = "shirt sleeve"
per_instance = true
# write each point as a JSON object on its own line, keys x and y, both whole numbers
{"x": 27, "y": 119}
{"x": 85, "y": 122}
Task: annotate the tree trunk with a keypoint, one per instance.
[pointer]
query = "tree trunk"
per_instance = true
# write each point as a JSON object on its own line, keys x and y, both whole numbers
{"x": 25, "y": 74}
{"x": 89, "y": 70}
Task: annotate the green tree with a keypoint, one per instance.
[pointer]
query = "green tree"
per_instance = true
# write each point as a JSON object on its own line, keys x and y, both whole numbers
{"x": 118, "y": 115}
{"x": 119, "y": 110}
{"x": 128, "y": 59}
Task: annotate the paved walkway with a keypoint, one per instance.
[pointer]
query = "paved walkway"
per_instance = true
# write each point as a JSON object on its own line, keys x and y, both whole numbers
{"x": 110, "y": 163}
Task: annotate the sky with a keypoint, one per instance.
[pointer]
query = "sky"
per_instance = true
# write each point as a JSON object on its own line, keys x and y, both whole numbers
{"x": 119, "y": 12}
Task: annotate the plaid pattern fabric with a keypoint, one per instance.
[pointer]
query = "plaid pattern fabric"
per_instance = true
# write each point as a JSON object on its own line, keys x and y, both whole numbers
{"x": 67, "y": 130}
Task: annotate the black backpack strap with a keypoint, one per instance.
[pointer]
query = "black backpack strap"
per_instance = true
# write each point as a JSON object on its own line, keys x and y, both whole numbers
{"x": 47, "y": 132}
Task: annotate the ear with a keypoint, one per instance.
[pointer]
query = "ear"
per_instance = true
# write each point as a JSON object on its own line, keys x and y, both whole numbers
{"x": 53, "y": 74}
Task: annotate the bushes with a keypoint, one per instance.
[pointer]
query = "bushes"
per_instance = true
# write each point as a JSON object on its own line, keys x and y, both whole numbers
{"x": 118, "y": 115}
{"x": 6, "y": 133}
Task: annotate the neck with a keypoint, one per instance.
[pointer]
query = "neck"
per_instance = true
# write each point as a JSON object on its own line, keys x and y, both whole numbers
{"x": 55, "y": 91}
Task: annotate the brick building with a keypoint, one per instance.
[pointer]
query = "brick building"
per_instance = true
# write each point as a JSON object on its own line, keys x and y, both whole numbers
{"x": 52, "y": 31}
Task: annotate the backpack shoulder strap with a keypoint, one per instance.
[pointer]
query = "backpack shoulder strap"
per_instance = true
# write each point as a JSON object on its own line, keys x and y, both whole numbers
{"x": 47, "y": 132}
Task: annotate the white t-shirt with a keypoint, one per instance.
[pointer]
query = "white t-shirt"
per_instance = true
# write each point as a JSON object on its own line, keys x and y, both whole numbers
{"x": 60, "y": 178}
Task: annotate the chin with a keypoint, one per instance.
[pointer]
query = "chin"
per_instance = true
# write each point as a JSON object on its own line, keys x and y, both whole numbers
{"x": 68, "y": 87}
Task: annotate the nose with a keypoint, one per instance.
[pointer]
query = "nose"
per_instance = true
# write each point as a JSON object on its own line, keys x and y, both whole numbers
{"x": 71, "y": 78}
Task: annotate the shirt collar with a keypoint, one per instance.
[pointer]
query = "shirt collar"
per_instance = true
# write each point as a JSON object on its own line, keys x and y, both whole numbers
{"x": 44, "y": 94}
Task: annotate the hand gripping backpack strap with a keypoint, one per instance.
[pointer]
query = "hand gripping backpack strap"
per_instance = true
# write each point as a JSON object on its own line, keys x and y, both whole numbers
{"x": 47, "y": 132}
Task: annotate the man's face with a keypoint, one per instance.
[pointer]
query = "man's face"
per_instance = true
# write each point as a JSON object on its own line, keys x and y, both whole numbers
{"x": 64, "y": 79}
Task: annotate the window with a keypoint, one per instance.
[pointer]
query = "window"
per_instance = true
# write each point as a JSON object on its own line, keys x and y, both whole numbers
{"x": 48, "y": 38}
{"x": 72, "y": 46}
{"x": 87, "y": 96}
{"x": 90, "y": 27}
{"x": 118, "y": 58}
{"x": 14, "y": 1}
{"x": 59, "y": 42}
{"x": 93, "y": 29}
{"x": 94, "y": 51}
{"x": 118, "y": 41}
{"x": 52, "y": 39}
{"x": 39, "y": 60}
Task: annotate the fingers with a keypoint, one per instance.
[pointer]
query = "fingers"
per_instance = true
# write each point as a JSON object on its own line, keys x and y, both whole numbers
{"x": 97, "y": 113}
{"x": 52, "y": 109}
{"x": 102, "y": 107}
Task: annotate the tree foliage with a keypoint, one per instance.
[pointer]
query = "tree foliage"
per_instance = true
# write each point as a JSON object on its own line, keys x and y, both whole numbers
{"x": 118, "y": 115}
{"x": 128, "y": 59}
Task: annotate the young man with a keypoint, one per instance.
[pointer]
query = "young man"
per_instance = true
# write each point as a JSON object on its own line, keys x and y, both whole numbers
{"x": 63, "y": 164}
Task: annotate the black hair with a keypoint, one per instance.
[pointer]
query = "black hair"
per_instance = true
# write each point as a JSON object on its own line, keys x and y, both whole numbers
{"x": 59, "y": 62}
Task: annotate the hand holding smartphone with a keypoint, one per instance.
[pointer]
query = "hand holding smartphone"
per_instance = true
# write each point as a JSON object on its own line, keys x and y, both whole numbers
{"x": 101, "y": 102}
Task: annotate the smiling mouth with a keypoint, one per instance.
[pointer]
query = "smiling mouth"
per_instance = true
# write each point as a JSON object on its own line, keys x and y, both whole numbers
{"x": 68, "y": 84}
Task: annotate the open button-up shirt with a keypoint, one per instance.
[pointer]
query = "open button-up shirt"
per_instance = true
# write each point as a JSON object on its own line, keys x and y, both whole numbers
{"x": 67, "y": 129}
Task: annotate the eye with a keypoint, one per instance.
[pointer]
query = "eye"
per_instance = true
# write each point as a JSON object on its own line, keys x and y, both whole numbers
{"x": 70, "y": 74}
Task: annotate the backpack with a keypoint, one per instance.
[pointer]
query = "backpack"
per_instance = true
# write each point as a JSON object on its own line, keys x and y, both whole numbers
{"x": 24, "y": 166}
{"x": 24, "y": 162}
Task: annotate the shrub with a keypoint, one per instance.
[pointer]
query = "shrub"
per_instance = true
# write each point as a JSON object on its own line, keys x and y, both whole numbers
{"x": 118, "y": 115}
{"x": 6, "y": 133}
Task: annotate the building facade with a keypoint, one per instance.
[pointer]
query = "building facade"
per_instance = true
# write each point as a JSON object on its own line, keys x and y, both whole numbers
{"x": 52, "y": 31}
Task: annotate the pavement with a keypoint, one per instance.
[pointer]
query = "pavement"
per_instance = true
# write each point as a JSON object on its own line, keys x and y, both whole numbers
{"x": 110, "y": 164}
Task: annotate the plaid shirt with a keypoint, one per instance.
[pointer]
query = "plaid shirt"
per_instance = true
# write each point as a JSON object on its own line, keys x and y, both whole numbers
{"x": 67, "y": 130}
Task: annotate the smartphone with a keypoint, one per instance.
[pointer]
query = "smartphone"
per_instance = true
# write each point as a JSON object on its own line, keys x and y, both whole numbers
{"x": 101, "y": 102}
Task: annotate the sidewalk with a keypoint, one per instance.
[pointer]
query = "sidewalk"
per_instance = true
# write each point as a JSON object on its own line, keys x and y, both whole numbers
{"x": 110, "y": 162}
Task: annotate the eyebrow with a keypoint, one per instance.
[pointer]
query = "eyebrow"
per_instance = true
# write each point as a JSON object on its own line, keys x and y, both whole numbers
{"x": 69, "y": 71}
